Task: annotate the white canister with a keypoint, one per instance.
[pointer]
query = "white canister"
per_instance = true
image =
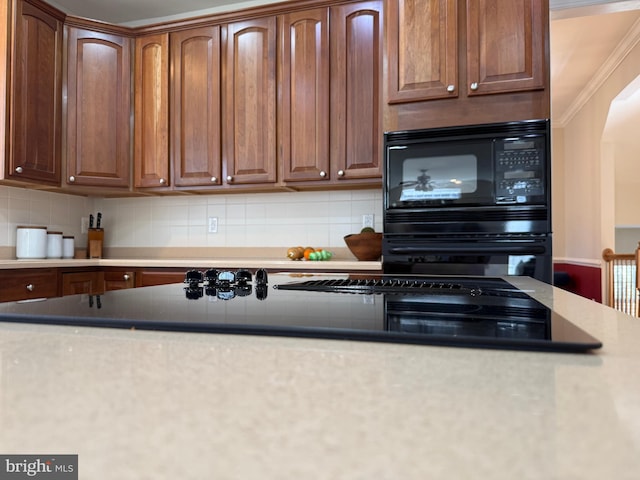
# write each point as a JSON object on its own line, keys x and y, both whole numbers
{"x": 31, "y": 242}
{"x": 68, "y": 247}
{"x": 54, "y": 244}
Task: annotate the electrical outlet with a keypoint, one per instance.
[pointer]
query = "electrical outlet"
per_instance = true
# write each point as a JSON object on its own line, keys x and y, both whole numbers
{"x": 213, "y": 224}
{"x": 84, "y": 225}
{"x": 367, "y": 220}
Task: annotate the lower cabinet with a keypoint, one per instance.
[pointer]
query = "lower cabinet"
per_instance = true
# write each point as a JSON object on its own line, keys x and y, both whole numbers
{"x": 119, "y": 279}
{"x": 90, "y": 282}
{"x": 27, "y": 284}
{"x": 163, "y": 276}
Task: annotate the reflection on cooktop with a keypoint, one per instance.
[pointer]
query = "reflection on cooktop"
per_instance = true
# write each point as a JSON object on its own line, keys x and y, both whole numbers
{"x": 467, "y": 312}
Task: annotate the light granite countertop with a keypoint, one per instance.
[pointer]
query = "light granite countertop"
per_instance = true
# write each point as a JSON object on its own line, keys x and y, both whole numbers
{"x": 158, "y": 405}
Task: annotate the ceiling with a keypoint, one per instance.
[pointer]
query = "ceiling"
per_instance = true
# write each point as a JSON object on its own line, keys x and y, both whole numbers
{"x": 587, "y": 36}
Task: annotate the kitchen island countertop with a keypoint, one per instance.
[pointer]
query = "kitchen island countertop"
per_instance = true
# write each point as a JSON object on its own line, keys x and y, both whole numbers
{"x": 141, "y": 404}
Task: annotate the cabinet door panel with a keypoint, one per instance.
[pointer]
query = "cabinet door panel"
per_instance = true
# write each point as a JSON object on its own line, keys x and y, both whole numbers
{"x": 82, "y": 282}
{"x": 506, "y": 46}
{"x": 35, "y": 122}
{"x": 250, "y": 106}
{"x": 195, "y": 101}
{"x": 356, "y": 61}
{"x": 152, "y": 111}
{"x": 99, "y": 102}
{"x": 423, "y": 49}
{"x": 305, "y": 95}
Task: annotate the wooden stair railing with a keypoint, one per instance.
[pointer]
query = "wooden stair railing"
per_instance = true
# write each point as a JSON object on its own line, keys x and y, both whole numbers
{"x": 623, "y": 280}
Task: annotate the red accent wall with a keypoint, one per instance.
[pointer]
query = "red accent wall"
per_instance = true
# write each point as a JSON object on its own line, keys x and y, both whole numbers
{"x": 583, "y": 280}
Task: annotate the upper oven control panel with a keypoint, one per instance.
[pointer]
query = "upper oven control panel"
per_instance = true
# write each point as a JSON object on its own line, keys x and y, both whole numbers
{"x": 520, "y": 166}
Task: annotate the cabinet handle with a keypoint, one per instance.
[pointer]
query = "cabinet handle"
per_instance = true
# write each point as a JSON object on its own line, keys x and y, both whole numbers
{"x": 474, "y": 86}
{"x": 323, "y": 173}
{"x": 229, "y": 178}
{"x": 341, "y": 173}
{"x": 162, "y": 181}
{"x": 451, "y": 88}
{"x": 72, "y": 179}
{"x": 18, "y": 169}
{"x": 214, "y": 179}
{"x": 126, "y": 277}
{"x": 30, "y": 287}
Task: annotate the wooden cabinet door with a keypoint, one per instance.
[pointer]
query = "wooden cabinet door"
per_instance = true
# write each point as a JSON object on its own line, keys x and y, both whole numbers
{"x": 506, "y": 47}
{"x": 82, "y": 282}
{"x": 422, "y": 49}
{"x": 35, "y": 101}
{"x": 195, "y": 107}
{"x": 98, "y": 112}
{"x": 249, "y": 116}
{"x": 356, "y": 70}
{"x": 304, "y": 116}
{"x": 151, "y": 111}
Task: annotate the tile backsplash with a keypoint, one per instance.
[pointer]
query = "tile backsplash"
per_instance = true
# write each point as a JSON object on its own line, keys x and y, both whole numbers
{"x": 319, "y": 219}
{"x": 57, "y": 212}
{"x": 282, "y": 219}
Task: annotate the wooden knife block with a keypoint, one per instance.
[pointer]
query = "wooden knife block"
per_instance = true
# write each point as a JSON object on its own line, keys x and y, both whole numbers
{"x": 95, "y": 240}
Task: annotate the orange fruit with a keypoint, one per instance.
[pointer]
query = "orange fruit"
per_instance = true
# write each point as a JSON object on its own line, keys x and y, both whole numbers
{"x": 308, "y": 251}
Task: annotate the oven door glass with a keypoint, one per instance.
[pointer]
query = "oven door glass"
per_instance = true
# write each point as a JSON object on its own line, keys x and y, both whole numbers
{"x": 440, "y": 174}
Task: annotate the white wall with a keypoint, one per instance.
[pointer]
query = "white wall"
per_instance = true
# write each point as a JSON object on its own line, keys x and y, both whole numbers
{"x": 588, "y": 168}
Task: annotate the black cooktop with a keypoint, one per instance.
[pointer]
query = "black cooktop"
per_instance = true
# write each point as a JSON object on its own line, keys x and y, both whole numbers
{"x": 453, "y": 311}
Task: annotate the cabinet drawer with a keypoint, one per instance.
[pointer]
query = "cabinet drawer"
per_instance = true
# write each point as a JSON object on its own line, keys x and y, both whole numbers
{"x": 119, "y": 279}
{"x": 28, "y": 284}
{"x": 147, "y": 278}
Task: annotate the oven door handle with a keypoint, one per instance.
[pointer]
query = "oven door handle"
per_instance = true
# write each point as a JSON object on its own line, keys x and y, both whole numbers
{"x": 470, "y": 250}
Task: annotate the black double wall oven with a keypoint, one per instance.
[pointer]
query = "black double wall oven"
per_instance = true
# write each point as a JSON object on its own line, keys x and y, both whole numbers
{"x": 469, "y": 200}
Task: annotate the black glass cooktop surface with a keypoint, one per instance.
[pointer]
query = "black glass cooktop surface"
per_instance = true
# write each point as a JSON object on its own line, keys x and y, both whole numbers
{"x": 469, "y": 312}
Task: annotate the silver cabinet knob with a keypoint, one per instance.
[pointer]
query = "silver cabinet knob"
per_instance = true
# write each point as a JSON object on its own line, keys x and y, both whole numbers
{"x": 18, "y": 169}
{"x": 474, "y": 86}
{"x": 162, "y": 181}
{"x": 126, "y": 277}
{"x": 30, "y": 287}
{"x": 214, "y": 179}
{"x": 341, "y": 173}
{"x": 72, "y": 179}
{"x": 451, "y": 88}
{"x": 229, "y": 178}
{"x": 323, "y": 173}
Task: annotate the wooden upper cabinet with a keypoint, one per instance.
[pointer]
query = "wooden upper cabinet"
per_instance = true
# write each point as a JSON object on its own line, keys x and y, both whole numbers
{"x": 356, "y": 110}
{"x": 304, "y": 115}
{"x": 500, "y": 49}
{"x": 249, "y": 112}
{"x": 506, "y": 45}
{"x": 151, "y": 111}
{"x": 98, "y": 109}
{"x": 195, "y": 95}
{"x": 35, "y": 119}
{"x": 422, "y": 49}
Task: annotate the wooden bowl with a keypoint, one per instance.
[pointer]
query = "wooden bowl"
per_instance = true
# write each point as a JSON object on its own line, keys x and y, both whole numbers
{"x": 365, "y": 246}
